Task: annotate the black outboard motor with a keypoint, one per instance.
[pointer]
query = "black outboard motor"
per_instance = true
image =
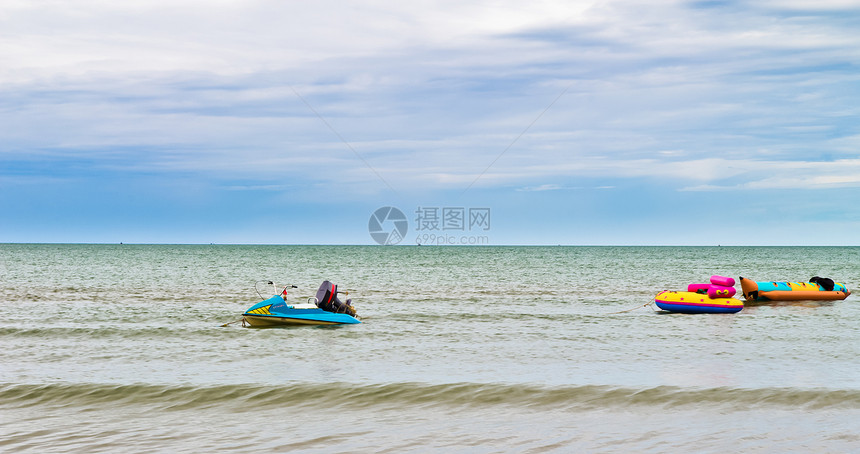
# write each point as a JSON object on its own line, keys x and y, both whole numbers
{"x": 327, "y": 300}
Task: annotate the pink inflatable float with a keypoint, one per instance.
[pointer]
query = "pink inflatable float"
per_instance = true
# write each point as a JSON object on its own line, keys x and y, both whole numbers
{"x": 723, "y": 280}
{"x": 720, "y": 287}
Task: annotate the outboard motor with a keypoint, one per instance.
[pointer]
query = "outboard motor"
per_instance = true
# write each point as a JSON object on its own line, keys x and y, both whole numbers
{"x": 327, "y": 300}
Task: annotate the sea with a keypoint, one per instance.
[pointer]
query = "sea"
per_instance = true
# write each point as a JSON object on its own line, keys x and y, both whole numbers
{"x": 489, "y": 349}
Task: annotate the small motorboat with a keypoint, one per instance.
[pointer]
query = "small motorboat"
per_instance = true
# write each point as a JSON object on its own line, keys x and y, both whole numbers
{"x": 324, "y": 309}
{"x": 817, "y": 289}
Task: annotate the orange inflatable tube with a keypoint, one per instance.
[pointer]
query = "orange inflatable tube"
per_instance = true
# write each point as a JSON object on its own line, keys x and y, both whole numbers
{"x": 791, "y": 291}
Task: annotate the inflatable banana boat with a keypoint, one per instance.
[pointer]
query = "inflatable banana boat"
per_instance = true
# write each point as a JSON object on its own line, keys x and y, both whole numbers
{"x": 817, "y": 289}
{"x": 696, "y": 303}
{"x": 711, "y": 298}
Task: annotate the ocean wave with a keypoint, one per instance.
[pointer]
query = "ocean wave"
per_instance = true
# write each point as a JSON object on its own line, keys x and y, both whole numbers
{"x": 101, "y": 330}
{"x": 588, "y": 397}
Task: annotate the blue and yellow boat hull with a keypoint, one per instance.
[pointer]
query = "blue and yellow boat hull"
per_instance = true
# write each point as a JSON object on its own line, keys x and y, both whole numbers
{"x": 275, "y": 311}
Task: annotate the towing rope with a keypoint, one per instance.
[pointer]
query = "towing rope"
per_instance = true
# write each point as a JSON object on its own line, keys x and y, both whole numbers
{"x": 628, "y": 310}
{"x": 242, "y": 319}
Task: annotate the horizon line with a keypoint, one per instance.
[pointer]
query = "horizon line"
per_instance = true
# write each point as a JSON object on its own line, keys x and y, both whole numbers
{"x": 122, "y": 243}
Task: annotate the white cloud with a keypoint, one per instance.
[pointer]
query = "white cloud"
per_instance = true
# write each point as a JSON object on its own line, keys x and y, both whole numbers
{"x": 430, "y": 93}
{"x": 793, "y": 175}
{"x": 543, "y": 187}
{"x": 807, "y": 5}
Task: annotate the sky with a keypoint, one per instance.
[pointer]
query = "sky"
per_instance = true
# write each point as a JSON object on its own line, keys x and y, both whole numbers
{"x": 613, "y": 122}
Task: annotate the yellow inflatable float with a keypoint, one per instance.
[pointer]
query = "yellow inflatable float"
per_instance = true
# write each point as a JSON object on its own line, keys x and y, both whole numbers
{"x": 712, "y": 298}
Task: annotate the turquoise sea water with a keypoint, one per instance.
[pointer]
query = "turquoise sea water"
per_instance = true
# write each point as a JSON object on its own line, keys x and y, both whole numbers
{"x": 462, "y": 349}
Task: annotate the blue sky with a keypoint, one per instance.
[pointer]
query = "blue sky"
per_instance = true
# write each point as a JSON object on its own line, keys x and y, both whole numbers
{"x": 605, "y": 122}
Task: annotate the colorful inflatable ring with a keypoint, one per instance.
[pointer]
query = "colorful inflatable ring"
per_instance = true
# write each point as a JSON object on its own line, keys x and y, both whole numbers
{"x": 696, "y": 303}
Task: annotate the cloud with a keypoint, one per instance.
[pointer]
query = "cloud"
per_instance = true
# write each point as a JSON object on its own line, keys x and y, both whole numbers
{"x": 688, "y": 95}
{"x": 812, "y": 6}
{"x": 543, "y": 187}
{"x": 558, "y": 187}
{"x": 793, "y": 175}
